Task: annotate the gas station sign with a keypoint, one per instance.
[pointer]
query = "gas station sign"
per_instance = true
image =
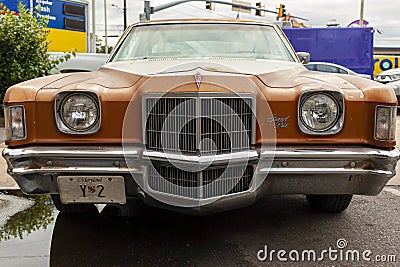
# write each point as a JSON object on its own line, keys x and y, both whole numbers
{"x": 68, "y": 24}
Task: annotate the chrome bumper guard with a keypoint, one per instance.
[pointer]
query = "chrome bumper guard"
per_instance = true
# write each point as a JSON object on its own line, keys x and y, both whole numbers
{"x": 315, "y": 170}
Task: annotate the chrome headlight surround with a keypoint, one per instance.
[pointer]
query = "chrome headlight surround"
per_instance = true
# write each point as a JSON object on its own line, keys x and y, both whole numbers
{"x": 62, "y": 97}
{"x": 334, "y": 127}
{"x": 15, "y": 122}
{"x": 385, "y": 123}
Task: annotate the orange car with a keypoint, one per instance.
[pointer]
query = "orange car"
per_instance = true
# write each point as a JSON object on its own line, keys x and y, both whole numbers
{"x": 201, "y": 116}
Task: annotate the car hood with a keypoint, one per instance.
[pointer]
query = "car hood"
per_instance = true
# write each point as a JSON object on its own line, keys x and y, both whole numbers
{"x": 272, "y": 73}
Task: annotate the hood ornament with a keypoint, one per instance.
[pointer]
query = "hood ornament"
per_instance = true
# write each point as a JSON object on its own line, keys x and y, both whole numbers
{"x": 197, "y": 78}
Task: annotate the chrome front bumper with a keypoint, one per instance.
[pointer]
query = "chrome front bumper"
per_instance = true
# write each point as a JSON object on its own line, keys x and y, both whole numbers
{"x": 288, "y": 170}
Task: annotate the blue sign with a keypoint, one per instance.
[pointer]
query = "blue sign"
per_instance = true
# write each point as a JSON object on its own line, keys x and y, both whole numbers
{"x": 13, "y": 4}
{"x": 349, "y": 47}
{"x": 53, "y": 9}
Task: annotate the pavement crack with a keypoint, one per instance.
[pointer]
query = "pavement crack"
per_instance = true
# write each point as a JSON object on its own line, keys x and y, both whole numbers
{"x": 392, "y": 190}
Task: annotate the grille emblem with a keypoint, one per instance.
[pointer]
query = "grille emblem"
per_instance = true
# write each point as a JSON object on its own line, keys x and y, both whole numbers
{"x": 197, "y": 78}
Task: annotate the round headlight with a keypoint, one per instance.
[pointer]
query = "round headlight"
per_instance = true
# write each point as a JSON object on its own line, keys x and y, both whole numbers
{"x": 79, "y": 112}
{"x": 319, "y": 112}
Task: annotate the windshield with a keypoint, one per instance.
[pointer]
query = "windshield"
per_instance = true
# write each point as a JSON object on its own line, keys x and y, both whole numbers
{"x": 203, "y": 41}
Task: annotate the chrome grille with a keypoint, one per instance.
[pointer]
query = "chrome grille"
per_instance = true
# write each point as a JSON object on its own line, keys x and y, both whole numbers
{"x": 199, "y": 124}
{"x": 200, "y": 185}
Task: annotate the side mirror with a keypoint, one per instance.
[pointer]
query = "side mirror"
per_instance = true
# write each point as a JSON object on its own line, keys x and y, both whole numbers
{"x": 304, "y": 57}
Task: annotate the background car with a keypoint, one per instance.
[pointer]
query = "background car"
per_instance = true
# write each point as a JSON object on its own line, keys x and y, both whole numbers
{"x": 392, "y": 79}
{"x": 333, "y": 68}
{"x": 81, "y": 62}
{"x": 388, "y": 76}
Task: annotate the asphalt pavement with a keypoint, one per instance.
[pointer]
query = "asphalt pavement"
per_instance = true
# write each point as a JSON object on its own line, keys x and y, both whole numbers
{"x": 396, "y": 180}
{"x": 369, "y": 227}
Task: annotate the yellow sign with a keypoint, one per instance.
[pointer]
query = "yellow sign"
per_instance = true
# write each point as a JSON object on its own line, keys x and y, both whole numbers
{"x": 66, "y": 40}
{"x": 382, "y": 63}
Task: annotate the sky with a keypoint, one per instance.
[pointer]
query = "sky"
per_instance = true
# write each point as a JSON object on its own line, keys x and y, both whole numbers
{"x": 381, "y": 14}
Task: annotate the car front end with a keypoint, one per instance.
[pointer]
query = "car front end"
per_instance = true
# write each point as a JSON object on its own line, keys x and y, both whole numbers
{"x": 202, "y": 133}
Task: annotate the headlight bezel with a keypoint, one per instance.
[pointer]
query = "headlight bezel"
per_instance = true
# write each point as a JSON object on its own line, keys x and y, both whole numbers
{"x": 8, "y": 119}
{"x": 62, "y": 126}
{"x": 339, "y": 121}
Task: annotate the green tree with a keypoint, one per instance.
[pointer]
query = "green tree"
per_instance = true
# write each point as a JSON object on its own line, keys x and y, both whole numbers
{"x": 24, "y": 45}
{"x": 40, "y": 215}
{"x": 102, "y": 48}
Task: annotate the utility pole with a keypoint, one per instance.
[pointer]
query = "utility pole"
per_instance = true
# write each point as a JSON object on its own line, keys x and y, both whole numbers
{"x": 362, "y": 13}
{"x": 125, "y": 16}
{"x": 105, "y": 27}
{"x": 93, "y": 26}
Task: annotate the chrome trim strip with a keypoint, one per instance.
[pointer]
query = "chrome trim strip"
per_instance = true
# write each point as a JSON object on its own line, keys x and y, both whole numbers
{"x": 334, "y": 153}
{"x": 104, "y": 170}
{"x": 243, "y": 155}
{"x": 116, "y": 151}
{"x": 282, "y": 170}
{"x": 285, "y": 170}
{"x": 76, "y": 152}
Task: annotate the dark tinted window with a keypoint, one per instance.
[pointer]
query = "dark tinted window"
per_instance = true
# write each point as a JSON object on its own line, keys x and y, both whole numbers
{"x": 327, "y": 68}
{"x": 310, "y": 67}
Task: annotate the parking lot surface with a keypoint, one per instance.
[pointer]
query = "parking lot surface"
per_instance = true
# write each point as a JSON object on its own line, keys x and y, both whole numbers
{"x": 155, "y": 237}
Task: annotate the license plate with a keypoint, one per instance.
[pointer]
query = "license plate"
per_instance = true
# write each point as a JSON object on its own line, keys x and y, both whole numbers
{"x": 92, "y": 189}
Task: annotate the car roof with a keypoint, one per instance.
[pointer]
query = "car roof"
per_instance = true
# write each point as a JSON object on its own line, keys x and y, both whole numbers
{"x": 326, "y": 63}
{"x": 333, "y": 65}
{"x": 202, "y": 20}
{"x": 338, "y": 66}
{"x": 389, "y": 72}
